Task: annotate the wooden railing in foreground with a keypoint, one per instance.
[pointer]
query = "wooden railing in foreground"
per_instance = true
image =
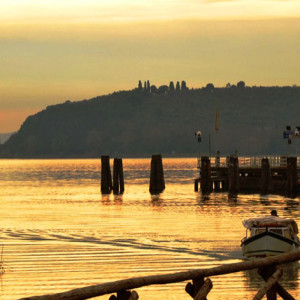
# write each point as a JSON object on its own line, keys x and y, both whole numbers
{"x": 198, "y": 289}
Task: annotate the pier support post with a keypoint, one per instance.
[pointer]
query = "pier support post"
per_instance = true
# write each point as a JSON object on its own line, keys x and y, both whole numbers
{"x": 266, "y": 273}
{"x": 125, "y": 295}
{"x": 157, "y": 181}
{"x": 118, "y": 178}
{"x": 206, "y": 182}
{"x": 292, "y": 175}
{"x": 106, "y": 181}
{"x": 233, "y": 174}
{"x": 196, "y": 185}
{"x": 265, "y": 176}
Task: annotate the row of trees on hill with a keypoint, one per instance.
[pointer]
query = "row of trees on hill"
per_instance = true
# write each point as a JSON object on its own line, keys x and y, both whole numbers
{"x": 163, "y": 89}
{"x": 178, "y": 87}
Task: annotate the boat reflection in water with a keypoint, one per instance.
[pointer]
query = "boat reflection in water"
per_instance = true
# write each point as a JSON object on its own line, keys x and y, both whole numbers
{"x": 269, "y": 235}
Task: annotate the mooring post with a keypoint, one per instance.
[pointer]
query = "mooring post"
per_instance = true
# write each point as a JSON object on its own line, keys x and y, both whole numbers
{"x": 292, "y": 175}
{"x": 125, "y": 295}
{"x": 233, "y": 174}
{"x": 157, "y": 181}
{"x": 265, "y": 176}
{"x": 196, "y": 185}
{"x": 121, "y": 176}
{"x": 206, "y": 182}
{"x": 118, "y": 178}
{"x": 192, "y": 288}
{"x": 106, "y": 181}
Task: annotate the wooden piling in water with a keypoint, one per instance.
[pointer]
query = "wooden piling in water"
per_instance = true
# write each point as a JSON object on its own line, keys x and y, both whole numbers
{"x": 206, "y": 182}
{"x": 265, "y": 176}
{"x": 118, "y": 178}
{"x": 157, "y": 181}
{"x": 292, "y": 176}
{"x": 106, "y": 181}
{"x": 233, "y": 174}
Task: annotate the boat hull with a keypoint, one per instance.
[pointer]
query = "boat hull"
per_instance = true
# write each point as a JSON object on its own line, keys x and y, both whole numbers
{"x": 267, "y": 244}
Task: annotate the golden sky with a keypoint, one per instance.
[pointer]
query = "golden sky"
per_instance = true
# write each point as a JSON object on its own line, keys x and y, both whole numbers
{"x": 51, "y": 51}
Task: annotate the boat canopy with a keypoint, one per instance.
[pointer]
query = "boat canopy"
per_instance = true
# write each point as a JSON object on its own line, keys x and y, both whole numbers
{"x": 270, "y": 221}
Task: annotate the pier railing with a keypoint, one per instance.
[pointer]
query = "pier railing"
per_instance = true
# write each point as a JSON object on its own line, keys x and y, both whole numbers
{"x": 199, "y": 287}
{"x": 250, "y": 161}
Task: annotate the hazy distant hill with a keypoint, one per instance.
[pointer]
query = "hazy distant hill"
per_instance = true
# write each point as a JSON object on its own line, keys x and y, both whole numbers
{"x": 5, "y": 136}
{"x": 140, "y": 123}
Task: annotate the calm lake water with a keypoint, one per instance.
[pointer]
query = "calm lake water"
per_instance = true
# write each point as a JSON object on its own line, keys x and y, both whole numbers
{"x": 59, "y": 233}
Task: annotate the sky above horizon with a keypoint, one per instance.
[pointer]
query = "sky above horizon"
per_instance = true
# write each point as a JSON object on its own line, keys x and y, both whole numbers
{"x": 52, "y": 51}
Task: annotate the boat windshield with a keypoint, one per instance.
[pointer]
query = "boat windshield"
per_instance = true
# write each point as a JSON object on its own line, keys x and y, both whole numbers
{"x": 284, "y": 231}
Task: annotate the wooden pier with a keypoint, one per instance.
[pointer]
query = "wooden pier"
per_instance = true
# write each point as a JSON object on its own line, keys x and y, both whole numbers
{"x": 199, "y": 287}
{"x": 266, "y": 175}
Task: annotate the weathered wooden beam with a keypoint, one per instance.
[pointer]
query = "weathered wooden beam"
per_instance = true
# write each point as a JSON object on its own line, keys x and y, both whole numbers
{"x": 205, "y": 289}
{"x": 118, "y": 178}
{"x": 205, "y": 179}
{"x": 265, "y": 176}
{"x": 233, "y": 174}
{"x": 106, "y": 181}
{"x": 125, "y": 295}
{"x": 157, "y": 181}
{"x": 265, "y": 273}
{"x": 268, "y": 286}
{"x": 193, "y": 288}
{"x": 133, "y": 283}
{"x": 292, "y": 175}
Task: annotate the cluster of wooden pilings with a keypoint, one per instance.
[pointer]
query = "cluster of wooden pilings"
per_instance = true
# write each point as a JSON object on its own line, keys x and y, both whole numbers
{"x": 107, "y": 184}
{"x": 234, "y": 178}
{"x": 198, "y": 289}
{"x": 116, "y": 183}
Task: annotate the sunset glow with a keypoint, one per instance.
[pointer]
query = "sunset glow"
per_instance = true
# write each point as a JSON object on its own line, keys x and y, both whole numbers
{"x": 52, "y": 51}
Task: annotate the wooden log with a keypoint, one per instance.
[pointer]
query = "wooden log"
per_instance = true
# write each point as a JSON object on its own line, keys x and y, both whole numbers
{"x": 265, "y": 273}
{"x": 292, "y": 176}
{"x": 121, "y": 176}
{"x": 193, "y": 288}
{"x": 118, "y": 178}
{"x": 268, "y": 286}
{"x": 106, "y": 181}
{"x": 133, "y": 283}
{"x": 134, "y": 296}
{"x": 116, "y": 184}
{"x": 265, "y": 176}
{"x": 125, "y": 295}
{"x": 233, "y": 174}
{"x": 206, "y": 182}
{"x": 196, "y": 185}
{"x": 157, "y": 181}
{"x": 204, "y": 290}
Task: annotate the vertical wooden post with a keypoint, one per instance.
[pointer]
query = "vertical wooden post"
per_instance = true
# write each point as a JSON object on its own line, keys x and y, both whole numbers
{"x": 196, "y": 184}
{"x": 106, "y": 182}
{"x": 206, "y": 182}
{"x": 266, "y": 273}
{"x": 118, "y": 178}
{"x": 157, "y": 181}
{"x": 193, "y": 288}
{"x": 265, "y": 176}
{"x": 233, "y": 174}
{"x": 292, "y": 175}
{"x": 121, "y": 176}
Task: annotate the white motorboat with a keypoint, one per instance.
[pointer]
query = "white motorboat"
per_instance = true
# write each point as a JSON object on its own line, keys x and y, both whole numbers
{"x": 268, "y": 236}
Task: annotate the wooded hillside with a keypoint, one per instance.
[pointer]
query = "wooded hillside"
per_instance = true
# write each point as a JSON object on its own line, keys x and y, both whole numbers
{"x": 141, "y": 122}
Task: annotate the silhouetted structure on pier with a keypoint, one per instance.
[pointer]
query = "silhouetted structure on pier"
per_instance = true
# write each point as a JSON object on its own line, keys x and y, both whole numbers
{"x": 265, "y": 178}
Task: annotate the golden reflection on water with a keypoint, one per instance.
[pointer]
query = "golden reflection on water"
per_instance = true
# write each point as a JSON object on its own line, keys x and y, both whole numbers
{"x": 60, "y": 233}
